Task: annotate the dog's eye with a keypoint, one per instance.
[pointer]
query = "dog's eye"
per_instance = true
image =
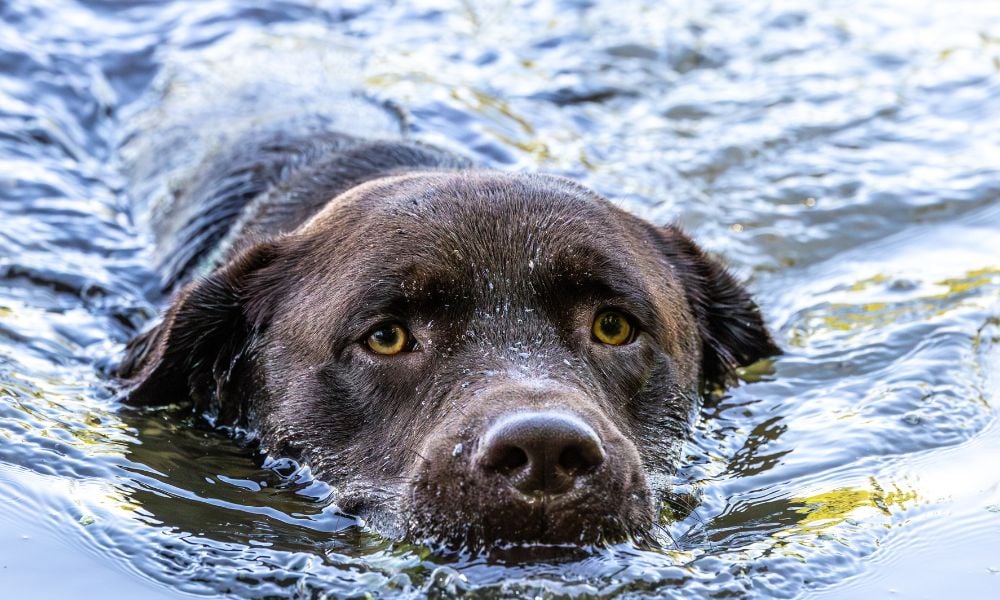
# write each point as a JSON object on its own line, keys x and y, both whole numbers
{"x": 612, "y": 328}
{"x": 389, "y": 339}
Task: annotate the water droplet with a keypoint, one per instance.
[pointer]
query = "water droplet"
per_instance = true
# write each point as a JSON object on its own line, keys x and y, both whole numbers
{"x": 457, "y": 449}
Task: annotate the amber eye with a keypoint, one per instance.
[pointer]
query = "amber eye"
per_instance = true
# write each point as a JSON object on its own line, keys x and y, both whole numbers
{"x": 388, "y": 339}
{"x": 612, "y": 328}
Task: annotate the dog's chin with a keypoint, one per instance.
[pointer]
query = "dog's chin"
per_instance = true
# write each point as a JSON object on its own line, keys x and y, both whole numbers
{"x": 536, "y": 536}
{"x": 536, "y": 529}
{"x": 520, "y": 533}
{"x": 524, "y": 548}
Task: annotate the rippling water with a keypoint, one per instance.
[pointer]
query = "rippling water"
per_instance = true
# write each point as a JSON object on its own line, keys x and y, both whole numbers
{"x": 842, "y": 157}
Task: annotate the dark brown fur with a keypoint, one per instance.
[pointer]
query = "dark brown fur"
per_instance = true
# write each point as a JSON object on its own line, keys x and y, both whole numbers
{"x": 498, "y": 276}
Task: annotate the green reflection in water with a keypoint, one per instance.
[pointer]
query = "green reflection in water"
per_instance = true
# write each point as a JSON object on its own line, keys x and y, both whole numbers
{"x": 970, "y": 289}
{"x": 827, "y": 509}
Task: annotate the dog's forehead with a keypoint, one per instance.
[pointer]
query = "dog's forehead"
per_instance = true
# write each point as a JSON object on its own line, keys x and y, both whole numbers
{"x": 486, "y": 238}
{"x": 487, "y": 243}
{"x": 440, "y": 202}
{"x": 505, "y": 222}
{"x": 483, "y": 218}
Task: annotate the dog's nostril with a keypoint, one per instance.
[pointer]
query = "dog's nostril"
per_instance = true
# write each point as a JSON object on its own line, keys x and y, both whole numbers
{"x": 510, "y": 458}
{"x": 577, "y": 460}
{"x": 540, "y": 452}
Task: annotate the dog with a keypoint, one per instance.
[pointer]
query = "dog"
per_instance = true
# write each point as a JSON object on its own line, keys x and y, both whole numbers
{"x": 471, "y": 357}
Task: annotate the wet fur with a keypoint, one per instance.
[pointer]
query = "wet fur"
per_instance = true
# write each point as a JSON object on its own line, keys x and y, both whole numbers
{"x": 308, "y": 239}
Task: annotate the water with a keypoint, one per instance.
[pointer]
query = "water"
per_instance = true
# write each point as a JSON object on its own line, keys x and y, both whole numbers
{"x": 842, "y": 158}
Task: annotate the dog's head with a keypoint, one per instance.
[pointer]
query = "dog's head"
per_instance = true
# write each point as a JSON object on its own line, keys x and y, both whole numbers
{"x": 487, "y": 357}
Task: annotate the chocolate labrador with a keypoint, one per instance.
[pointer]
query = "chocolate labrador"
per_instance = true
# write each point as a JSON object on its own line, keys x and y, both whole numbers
{"x": 470, "y": 356}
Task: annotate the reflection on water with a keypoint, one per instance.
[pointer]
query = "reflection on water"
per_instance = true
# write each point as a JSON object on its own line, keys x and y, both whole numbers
{"x": 843, "y": 159}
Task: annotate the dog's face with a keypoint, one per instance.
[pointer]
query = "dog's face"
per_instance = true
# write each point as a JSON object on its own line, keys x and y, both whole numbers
{"x": 469, "y": 357}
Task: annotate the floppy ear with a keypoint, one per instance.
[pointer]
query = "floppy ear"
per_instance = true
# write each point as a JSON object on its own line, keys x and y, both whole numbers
{"x": 732, "y": 330}
{"x": 200, "y": 346}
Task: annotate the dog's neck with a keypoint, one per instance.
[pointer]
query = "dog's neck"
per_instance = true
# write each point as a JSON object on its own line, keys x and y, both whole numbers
{"x": 266, "y": 192}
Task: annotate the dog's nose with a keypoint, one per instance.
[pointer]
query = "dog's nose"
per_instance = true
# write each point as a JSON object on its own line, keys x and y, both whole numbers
{"x": 540, "y": 452}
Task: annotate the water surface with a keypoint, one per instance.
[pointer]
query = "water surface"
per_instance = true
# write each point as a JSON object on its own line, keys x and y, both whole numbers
{"x": 840, "y": 157}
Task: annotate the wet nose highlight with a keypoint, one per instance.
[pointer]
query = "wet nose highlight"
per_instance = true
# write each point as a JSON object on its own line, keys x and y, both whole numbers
{"x": 540, "y": 452}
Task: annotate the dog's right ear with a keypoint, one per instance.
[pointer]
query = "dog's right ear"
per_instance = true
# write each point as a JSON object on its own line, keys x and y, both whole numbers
{"x": 732, "y": 329}
{"x": 192, "y": 354}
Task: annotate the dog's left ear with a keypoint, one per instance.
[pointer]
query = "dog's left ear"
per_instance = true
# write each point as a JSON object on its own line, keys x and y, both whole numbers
{"x": 194, "y": 355}
{"x": 732, "y": 330}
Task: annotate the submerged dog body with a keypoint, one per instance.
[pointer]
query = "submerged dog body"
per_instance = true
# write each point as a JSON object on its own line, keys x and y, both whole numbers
{"x": 467, "y": 355}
